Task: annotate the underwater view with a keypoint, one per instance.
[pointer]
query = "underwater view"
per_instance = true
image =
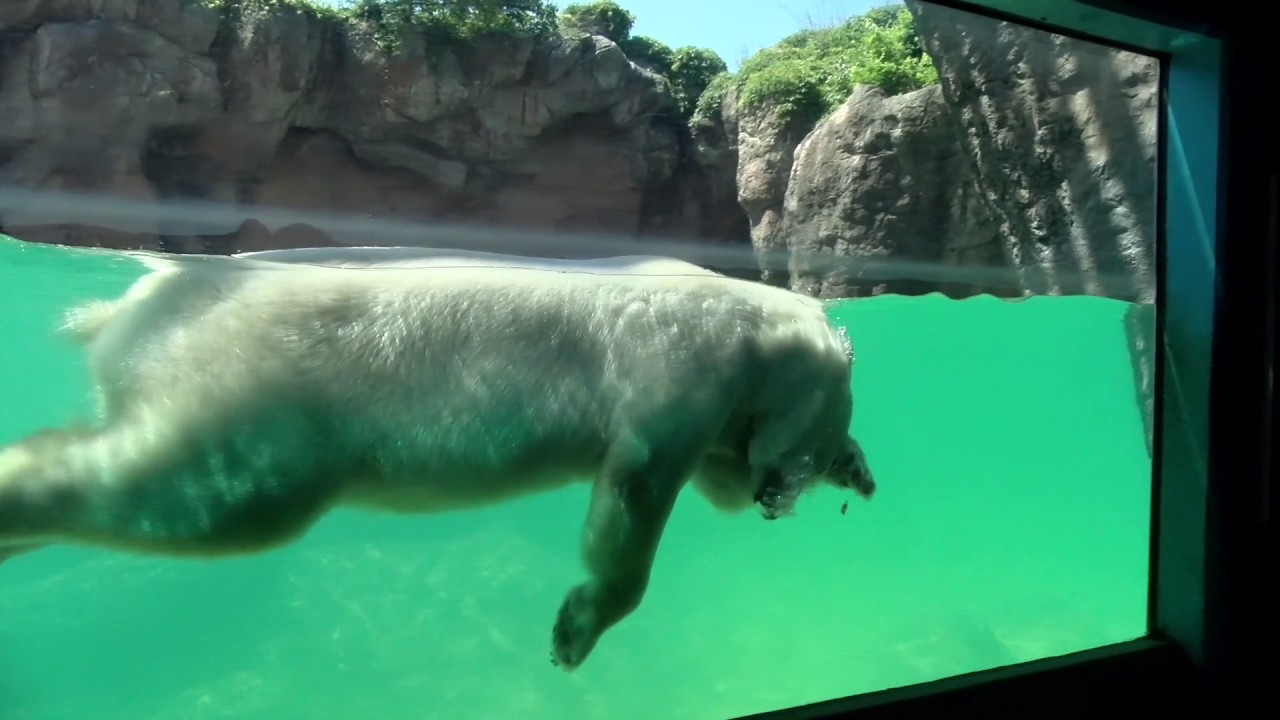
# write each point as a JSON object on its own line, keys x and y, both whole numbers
{"x": 972, "y": 201}
{"x": 1010, "y": 523}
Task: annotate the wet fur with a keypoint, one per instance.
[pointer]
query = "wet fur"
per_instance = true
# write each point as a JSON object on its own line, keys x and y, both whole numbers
{"x": 243, "y": 397}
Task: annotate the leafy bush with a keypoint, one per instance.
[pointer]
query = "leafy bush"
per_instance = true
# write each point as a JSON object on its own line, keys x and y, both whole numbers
{"x": 647, "y": 51}
{"x": 452, "y": 21}
{"x": 809, "y": 73}
{"x": 241, "y": 7}
{"x": 709, "y": 103}
{"x": 693, "y": 70}
{"x": 602, "y": 17}
{"x": 687, "y": 69}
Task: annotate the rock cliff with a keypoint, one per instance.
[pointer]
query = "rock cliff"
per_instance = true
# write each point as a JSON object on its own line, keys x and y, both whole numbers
{"x": 1030, "y": 168}
{"x": 152, "y": 99}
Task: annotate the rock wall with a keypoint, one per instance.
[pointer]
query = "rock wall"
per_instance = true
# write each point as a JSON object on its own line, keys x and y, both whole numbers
{"x": 154, "y": 99}
{"x": 881, "y": 180}
{"x": 1030, "y": 169}
{"x": 1061, "y": 134}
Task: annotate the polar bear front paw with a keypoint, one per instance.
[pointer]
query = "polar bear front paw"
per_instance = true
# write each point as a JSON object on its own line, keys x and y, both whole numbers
{"x": 576, "y": 630}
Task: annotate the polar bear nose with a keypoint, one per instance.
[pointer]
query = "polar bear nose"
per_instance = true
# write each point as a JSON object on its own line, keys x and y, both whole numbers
{"x": 857, "y": 474}
{"x": 864, "y": 485}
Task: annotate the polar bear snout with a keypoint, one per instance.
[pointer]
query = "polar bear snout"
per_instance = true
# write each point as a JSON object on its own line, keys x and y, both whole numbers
{"x": 850, "y": 470}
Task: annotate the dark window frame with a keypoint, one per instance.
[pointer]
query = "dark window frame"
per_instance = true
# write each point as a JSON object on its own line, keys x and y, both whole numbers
{"x": 1212, "y": 620}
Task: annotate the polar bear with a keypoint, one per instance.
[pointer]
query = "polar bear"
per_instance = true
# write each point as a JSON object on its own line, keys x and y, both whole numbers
{"x": 242, "y": 397}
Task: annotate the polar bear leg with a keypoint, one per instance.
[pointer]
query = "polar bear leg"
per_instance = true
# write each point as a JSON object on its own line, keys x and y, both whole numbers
{"x": 630, "y": 504}
{"x": 206, "y": 489}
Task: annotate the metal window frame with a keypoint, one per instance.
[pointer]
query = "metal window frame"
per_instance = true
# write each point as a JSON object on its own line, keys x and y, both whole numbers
{"x": 1211, "y": 614}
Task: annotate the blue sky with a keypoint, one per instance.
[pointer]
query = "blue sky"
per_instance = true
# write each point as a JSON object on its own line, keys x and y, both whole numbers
{"x": 732, "y": 28}
{"x": 735, "y": 28}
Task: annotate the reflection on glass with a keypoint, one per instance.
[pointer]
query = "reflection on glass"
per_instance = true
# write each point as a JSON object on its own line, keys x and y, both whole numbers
{"x": 972, "y": 202}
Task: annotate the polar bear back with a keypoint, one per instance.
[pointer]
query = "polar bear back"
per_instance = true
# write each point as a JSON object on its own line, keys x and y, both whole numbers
{"x": 463, "y": 371}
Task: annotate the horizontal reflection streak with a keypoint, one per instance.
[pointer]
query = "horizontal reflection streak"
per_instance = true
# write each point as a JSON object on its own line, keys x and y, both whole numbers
{"x": 205, "y": 217}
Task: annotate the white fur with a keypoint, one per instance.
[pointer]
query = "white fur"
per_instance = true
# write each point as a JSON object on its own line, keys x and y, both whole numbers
{"x": 463, "y": 360}
{"x": 244, "y": 396}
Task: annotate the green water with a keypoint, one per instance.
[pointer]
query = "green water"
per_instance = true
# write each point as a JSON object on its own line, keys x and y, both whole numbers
{"x": 1010, "y": 524}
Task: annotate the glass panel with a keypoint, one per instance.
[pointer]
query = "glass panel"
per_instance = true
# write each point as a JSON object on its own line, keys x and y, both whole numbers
{"x": 1190, "y": 303}
{"x": 970, "y": 203}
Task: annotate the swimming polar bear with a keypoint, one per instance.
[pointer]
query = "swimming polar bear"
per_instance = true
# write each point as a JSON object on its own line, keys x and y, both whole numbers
{"x": 242, "y": 397}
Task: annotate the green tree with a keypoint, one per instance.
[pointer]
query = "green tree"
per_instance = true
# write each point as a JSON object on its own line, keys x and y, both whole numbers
{"x": 239, "y": 8}
{"x": 455, "y": 20}
{"x": 692, "y": 70}
{"x": 603, "y": 17}
{"x": 809, "y": 73}
{"x": 653, "y": 53}
{"x": 688, "y": 69}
